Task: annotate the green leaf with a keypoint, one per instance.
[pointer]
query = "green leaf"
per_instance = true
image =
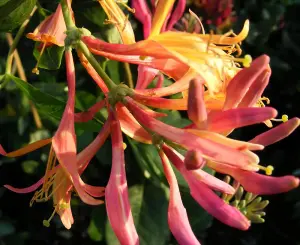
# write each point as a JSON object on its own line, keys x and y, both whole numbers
{"x": 51, "y": 57}
{"x": 30, "y": 166}
{"x": 6, "y": 228}
{"x": 14, "y": 12}
{"x": 51, "y": 107}
{"x": 148, "y": 160}
{"x": 97, "y": 225}
{"x": 150, "y": 213}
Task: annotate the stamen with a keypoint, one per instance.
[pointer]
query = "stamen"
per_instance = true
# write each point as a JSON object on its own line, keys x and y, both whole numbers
{"x": 46, "y": 222}
{"x": 268, "y": 170}
{"x": 35, "y": 70}
{"x": 123, "y": 3}
{"x": 124, "y": 146}
{"x": 284, "y": 118}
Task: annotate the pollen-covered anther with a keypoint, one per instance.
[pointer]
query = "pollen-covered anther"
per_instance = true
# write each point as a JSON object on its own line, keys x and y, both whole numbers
{"x": 46, "y": 222}
{"x": 35, "y": 70}
{"x": 284, "y": 118}
{"x": 268, "y": 170}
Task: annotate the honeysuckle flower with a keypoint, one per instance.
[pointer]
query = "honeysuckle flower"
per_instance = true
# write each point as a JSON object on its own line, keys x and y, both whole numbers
{"x": 116, "y": 194}
{"x": 177, "y": 217}
{"x": 56, "y": 178}
{"x": 221, "y": 151}
{"x": 206, "y": 197}
{"x": 183, "y": 50}
{"x": 51, "y": 31}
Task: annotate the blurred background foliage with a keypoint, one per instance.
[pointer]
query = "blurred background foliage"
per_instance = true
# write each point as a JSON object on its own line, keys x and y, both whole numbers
{"x": 275, "y": 31}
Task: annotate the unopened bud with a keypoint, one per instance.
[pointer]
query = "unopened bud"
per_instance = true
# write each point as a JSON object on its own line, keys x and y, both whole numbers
{"x": 196, "y": 106}
{"x": 193, "y": 160}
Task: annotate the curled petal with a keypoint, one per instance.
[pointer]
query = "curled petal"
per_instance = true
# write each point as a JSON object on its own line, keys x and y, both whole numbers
{"x": 239, "y": 85}
{"x": 145, "y": 76}
{"x": 179, "y": 86}
{"x": 256, "y": 90}
{"x": 277, "y": 133}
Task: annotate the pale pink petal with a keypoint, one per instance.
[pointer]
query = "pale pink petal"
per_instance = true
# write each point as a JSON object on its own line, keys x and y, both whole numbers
{"x": 177, "y": 216}
{"x": 64, "y": 140}
{"x": 162, "y": 103}
{"x": 177, "y": 14}
{"x": 180, "y": 85}
{"x": 211, "y": 181}
{"x": 143, "y": 14}
{"x": 207, "y": 199}
{"x": 188, "y": 140}
{"x": 258, "y": 183}
{"x": 145, "y": 76}
{"x": 240, "y": 84}
{"x": 239, "y": 117}
{"x": 277, "y": 133}
{"x": 116, "y": 194}
{"x": 89, "y": 115}
{"x": 237, "y": 144}
{"x": 131, "y": 127}
{"x": 256, "y": 90}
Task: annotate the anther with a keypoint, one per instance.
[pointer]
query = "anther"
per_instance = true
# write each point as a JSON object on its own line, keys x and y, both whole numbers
{"x": 46, "y": 222}
{"x": 284, "y": 118}
{"x": 35, "y": 70}
{"x": 268, "y": 170}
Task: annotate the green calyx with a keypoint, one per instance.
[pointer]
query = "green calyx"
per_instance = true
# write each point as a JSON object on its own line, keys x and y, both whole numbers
{"x": 74, "y": 36}
{"x": 118, "y": 93}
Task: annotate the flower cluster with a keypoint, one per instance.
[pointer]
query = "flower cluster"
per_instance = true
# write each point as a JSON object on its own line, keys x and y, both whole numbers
{"x": 215, "y": 91}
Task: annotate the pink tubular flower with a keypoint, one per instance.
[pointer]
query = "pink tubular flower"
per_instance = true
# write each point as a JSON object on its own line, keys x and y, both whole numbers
{"x": 177, "y": 216}
{"x": 116, "y": 195}
{"x": 207, "y": 198}
{"x": 56, "y": 178}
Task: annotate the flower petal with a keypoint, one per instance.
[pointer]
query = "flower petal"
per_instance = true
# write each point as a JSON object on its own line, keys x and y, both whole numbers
{"x": 116, "y": 194}
{"x": 177, "y": 216}
{"x": 277, "y": 133}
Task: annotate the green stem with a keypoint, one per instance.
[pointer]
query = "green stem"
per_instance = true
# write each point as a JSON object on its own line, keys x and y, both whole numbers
{"x": 129, "y": 75}
{"x": 84, "y": 49}
{"x": 16, "y": 41}
{"x": 67, "y": 14}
